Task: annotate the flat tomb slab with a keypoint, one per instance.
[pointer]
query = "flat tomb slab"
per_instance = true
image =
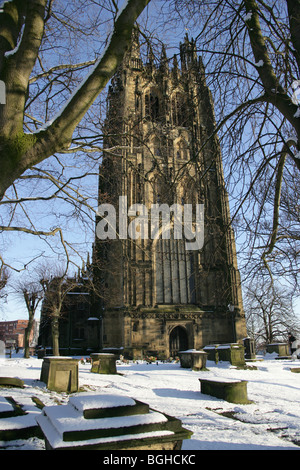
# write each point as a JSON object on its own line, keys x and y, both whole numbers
{"x": 66, "y": 427}
{"x": 11, "y": 382}
{"x": 6, "y": 408}
{"x": 107, "y": 406}
{"x": 226, "y": 389}
{"x": 16, "y": 422}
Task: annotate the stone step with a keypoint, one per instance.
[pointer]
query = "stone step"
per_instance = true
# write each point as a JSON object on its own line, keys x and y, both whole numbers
{"x": 107, "y": 406}
{"x": 6, "y": 408}
{"x": 16, "y": 422}
{"x": 66, "y": 427}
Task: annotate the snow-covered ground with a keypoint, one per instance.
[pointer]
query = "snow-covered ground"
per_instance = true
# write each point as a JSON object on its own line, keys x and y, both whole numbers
{"x": 271, "y": 422}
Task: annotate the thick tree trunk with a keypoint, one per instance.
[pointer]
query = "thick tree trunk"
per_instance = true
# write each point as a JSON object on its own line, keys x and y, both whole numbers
{"x": 27, "y": 335}
{"x": 294, "y": 18}
{"x": 55, "y": 334}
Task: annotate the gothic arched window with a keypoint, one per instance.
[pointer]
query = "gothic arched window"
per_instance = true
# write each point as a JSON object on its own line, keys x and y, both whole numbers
{"x": 178, "y": 110}
{"x": 151, "y": 105}
{"x": 155, "y": 146}
{"x": 181, "y": 150}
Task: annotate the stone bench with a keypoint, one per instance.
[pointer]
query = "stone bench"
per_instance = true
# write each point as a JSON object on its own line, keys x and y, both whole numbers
{"x": 226, "y": 389}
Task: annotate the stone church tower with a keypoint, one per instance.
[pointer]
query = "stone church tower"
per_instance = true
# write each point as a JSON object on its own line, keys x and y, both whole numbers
{"x": 158, "y": 297}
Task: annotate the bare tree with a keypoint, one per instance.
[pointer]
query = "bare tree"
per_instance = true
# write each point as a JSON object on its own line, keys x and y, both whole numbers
{"x": 251, "y": 52}
{"x": 4, "y": 276}
{"x": 32, "y": 293}
{"x": 56, "y": 285}
{"x": 55, "y": 60}
{"x": 269, "y": 312}
{"x": 21, "y": 150}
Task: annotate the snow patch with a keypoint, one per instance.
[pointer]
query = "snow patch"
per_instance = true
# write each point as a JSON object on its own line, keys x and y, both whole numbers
{"x": 260, "y": 63}
{"x": 297, "y": 113}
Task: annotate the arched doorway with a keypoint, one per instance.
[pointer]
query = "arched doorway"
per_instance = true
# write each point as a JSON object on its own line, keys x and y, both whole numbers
{"x": 178, "y": 340}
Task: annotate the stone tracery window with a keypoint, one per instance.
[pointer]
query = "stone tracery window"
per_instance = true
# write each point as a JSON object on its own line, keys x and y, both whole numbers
{"x": 181, "y": 150}
{"x": 178, "y": 110}
{"x": 152, "y": 105}
{"x": 155, "y": 146}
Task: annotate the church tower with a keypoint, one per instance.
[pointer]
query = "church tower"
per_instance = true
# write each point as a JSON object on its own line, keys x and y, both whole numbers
{"x": 159, "y": 293}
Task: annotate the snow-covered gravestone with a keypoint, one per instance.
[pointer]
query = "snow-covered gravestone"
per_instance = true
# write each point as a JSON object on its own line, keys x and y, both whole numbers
{"x": 229, "y": 352}
{"x": 109, "y": 422}
{"x": 282, "y": 349}
{"x": 193, "y": 359}
{"x": 233, "y": 391}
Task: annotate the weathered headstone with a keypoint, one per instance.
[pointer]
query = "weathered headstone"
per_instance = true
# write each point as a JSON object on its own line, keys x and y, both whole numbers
{"x": 104, "y": 363}
{"x": 282, "y": 349}
{"x": 249, "y": 345}
{"x": 60, "y": 373}
{"x": 212, "y": 352}
{"x": 229, "y": 390}
{"x": 193, "y": 359}
{"x": 231, "y": 352}
{"x": 11, "y": 382}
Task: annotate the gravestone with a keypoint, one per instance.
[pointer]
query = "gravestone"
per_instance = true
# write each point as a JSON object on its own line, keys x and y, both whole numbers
{"x": 193, "y": 359}
{"x": 212, "y": 352}
{"x": 233, "y": 353}
{"x": 234, "y": 391}
{"x": 109, "y": 422}
{"x": 282, "y": 349}
{"x": 249, "y": 345}
{"x": 15, "y": 422}
{"x": 11, "y": 382}
{"x": 60, "y": 373}
{"x": 104, "y": 363}
{"x": 230, "y": 352}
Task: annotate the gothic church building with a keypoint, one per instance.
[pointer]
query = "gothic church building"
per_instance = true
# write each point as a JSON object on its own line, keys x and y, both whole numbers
{"x": 158, "y": 297}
